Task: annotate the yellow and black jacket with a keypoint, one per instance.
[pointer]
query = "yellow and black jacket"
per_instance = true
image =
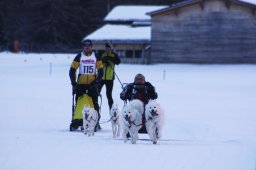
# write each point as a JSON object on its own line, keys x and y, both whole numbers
{"x": 109, "y": 62}
{"x": 90, "y": 69}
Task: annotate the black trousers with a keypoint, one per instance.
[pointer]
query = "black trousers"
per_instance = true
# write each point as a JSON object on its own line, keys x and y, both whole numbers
{"x": 109, "y": 88}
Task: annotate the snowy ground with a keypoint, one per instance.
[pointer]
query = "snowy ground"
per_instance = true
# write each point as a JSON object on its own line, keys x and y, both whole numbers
{"x": 210, "y": 118}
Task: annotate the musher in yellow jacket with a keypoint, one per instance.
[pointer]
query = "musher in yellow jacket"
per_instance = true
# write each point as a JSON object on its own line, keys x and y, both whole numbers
{"x": 85, "y": 85}
{"x": 109, "y": 59}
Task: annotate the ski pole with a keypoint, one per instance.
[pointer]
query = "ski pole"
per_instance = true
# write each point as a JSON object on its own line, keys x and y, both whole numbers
{"x": 119, "y": 80}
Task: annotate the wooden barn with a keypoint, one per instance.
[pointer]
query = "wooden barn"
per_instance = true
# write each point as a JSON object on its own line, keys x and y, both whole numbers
{"x": 204, "y": 31}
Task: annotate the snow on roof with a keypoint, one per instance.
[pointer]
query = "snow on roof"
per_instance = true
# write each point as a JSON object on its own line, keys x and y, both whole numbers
{"x": 249, "y": 1}
{"x": 121, "y": 33}
{"x": 131, "y": 13}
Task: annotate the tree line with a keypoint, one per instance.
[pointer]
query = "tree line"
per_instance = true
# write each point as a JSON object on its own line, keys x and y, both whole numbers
{"x": 55, "y": 25}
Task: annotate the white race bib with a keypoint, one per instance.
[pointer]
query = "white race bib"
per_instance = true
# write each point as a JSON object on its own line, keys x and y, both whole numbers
{"x": 87, "y": 64}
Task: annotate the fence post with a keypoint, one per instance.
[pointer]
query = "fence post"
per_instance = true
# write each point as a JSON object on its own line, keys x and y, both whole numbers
{"x": 164, "y": 75}
{"x": 50, "y": 71}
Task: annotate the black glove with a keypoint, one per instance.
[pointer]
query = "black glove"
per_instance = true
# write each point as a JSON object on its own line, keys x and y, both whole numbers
{"x": 154, "y": 96}
{"x": 123, "y": 96}
{"x": 104, "y": 59}
{"x": 107, "y": 60}
{"x": 111, "y": 59}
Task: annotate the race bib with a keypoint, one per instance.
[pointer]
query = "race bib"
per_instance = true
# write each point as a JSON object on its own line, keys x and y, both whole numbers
{"x": 87, "y": 65}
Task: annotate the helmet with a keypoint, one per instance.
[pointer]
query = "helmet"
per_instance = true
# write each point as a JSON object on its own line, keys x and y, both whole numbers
{"x": 108, "y": 44}
{"x": 139, "y": 79}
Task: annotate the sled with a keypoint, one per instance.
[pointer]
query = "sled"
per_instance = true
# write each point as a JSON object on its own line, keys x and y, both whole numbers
{"x": 77, "y": 116}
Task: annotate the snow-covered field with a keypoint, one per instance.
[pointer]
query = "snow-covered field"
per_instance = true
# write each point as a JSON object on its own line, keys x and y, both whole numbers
{"x": 210, "y": 115}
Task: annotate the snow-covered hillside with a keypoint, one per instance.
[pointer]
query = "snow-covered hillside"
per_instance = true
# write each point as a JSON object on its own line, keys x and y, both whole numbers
{"x": 210, "y": 118}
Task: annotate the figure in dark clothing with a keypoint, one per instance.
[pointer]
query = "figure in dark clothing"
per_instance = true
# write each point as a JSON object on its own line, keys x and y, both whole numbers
{"x": 142, "y": 90}
{"x": 109, "y": 60}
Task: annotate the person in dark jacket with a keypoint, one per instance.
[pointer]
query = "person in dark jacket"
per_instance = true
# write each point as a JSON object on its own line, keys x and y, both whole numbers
{"x": 90, "y": 71}
{"x": 109, "y": 60}
{"x": 142, "y": 90}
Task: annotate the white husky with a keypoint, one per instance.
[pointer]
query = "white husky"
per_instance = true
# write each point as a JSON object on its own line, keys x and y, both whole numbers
{"x": 90, "y": 118}
{"x": 132, "y": 119}
{"x": 154, "y": 120}
{"x": 114, "y": 116}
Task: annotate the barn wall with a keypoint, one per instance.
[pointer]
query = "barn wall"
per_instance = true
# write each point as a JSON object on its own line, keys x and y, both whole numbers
{"x": 210, "y": 32}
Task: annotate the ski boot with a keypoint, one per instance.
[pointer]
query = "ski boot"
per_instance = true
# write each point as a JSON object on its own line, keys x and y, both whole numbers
{"x": 72, "y": 127}
{"x": 75, "y": 124}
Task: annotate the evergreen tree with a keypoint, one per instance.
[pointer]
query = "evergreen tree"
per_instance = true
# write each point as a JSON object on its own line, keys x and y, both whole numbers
{"x": 56, "y": 25}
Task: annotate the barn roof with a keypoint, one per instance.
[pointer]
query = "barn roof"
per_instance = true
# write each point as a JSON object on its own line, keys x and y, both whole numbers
{"x": 248, "y": 3}
{"x": 121, "y": 33}
{"x": 131, "y": 12}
